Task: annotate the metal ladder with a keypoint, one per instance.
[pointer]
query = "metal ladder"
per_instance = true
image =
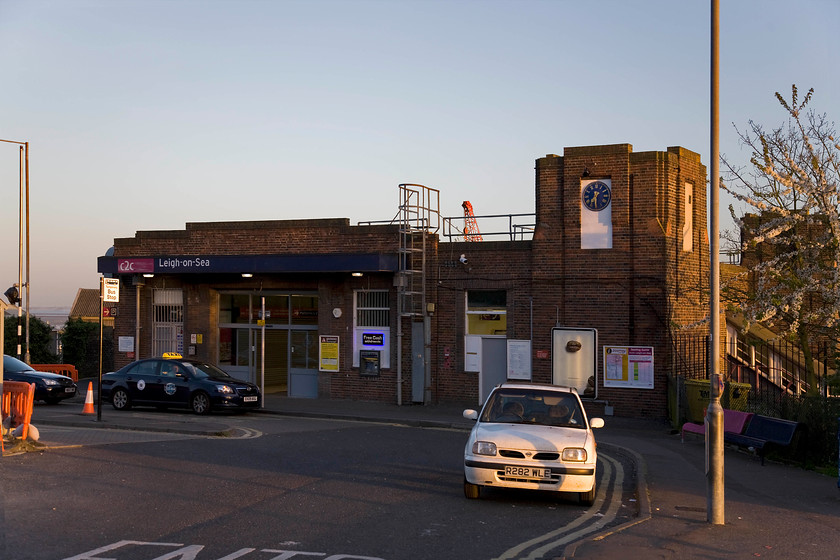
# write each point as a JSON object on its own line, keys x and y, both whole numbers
{"x": 419, "y": 217}
{"x": 419, "y": 213}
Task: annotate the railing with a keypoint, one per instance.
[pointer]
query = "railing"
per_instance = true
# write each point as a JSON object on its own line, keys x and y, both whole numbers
{"x": 516, "y": 227}
{"x": 774, "y": 370}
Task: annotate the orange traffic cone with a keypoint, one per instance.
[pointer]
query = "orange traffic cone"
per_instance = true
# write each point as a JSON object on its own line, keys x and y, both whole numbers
{"x": 88, "y": 409}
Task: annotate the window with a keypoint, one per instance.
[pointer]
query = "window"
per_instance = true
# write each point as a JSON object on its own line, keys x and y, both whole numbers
{"x": 487, "y": 312}
{"x": 688, "y": 223}
{"x": 486, "y": 316}
{"x": 372, "y": 309}
{"x": 168, "y": 313}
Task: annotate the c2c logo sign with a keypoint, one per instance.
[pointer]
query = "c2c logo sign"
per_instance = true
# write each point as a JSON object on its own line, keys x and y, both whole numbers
{"x": 131, "y": 266}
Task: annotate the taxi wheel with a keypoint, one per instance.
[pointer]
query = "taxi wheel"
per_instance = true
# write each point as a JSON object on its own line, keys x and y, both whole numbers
{"x": 200, "y": 403}
{"x": 120, "y": 400}
{"x": 587, "y": 498}
{"x": 471, "y": 491}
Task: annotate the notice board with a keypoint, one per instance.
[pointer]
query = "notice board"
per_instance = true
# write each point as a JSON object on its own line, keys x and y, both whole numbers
{"x": 628, "y": 367}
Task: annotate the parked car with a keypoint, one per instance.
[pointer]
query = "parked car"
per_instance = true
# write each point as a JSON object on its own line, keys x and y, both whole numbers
{"x": 49, "y": 387}
{"x": 532, "y": 436}
{"x": 176, "y": 382}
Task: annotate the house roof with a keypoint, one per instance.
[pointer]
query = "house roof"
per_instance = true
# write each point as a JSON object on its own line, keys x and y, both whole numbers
{"x": 86, "y": 303}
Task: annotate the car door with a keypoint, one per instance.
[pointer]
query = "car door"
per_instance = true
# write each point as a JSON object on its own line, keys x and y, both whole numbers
{"x": 173, "y": 384}
{"x": 140, "y": 380}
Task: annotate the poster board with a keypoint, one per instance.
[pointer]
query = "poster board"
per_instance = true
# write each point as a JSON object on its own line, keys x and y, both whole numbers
{"x": 328, "y": 353}
{"x": 574, "y": 359}
{"x": 519, "y": 360}
{"x": 628, "y": 367}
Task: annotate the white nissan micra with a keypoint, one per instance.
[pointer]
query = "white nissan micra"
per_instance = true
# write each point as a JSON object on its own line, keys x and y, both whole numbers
{"x": 532, "y": 436}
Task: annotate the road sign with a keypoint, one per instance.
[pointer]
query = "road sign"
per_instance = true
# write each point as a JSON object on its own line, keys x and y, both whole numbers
{"x": 111, "y": 290}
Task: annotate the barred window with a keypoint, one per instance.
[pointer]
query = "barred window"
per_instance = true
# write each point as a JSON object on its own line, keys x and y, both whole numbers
{"x": 168, "y": 313}
{"x": 372, "y": 308}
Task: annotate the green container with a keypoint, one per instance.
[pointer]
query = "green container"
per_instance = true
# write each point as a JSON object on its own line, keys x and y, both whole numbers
{"x": 736, "y": 396}
{"x": 697, "y": 398}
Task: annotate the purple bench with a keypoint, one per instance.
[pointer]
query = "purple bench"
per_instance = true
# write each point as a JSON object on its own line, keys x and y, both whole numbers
{"x": 734, "y": 422}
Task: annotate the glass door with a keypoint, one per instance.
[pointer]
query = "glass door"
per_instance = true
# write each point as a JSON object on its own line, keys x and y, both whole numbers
{"x": 290, "y": 363}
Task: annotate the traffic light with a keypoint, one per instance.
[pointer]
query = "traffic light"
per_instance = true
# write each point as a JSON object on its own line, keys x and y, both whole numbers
{"x": 13, "y": 295}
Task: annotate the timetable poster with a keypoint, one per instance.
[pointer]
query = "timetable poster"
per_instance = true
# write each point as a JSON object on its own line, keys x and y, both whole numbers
{"x": 630, "y": 367}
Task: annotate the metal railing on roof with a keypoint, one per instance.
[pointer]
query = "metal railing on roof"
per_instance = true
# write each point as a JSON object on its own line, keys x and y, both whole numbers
{"x": 516, "y": 227}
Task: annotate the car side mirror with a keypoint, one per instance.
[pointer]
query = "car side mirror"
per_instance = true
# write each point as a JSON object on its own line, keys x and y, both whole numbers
{"x": 596, "y": 422}
{"x": 471, "y": 414}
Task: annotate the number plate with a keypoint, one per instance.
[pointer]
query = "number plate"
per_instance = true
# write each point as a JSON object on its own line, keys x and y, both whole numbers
{"x": 249, "y": 399}
{"x": 69, "y": 390}
{"x": 527, "y": 472}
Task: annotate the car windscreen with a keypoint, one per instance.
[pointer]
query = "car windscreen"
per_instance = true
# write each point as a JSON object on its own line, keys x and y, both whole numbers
{"x": 533, "y": 406}
{"x": 203, "y": 370}
{"x": 13, "y": 364}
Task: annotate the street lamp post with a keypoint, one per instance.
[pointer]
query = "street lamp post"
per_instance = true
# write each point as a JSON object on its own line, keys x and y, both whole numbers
{"x": 715, "y": 502}
{"x": 24, "y": 201}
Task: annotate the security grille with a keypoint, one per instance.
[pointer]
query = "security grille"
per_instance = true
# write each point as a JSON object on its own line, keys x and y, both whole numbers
{"x": 372, "y": 308}
{"x": 168, "y": 312}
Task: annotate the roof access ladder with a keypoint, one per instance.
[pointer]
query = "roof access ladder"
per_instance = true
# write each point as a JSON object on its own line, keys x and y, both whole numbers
{"x": 419, "y": 217}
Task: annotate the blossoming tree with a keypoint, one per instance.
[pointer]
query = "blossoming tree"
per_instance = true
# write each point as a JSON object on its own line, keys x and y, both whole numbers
{"x": 790, "y": 244}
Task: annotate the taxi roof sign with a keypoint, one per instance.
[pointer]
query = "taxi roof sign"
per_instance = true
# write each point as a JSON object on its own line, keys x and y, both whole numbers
{"x": 172, "y": 355}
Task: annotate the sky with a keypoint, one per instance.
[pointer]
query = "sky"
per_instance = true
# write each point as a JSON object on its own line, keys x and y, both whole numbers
{"x": 150, "y": 114}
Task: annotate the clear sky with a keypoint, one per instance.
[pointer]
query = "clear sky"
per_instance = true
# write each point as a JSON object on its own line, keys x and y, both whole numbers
{"x": 148, "y": 114}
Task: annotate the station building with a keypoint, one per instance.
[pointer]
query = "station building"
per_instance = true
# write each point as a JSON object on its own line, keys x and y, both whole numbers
{"x": 609, "y": 269}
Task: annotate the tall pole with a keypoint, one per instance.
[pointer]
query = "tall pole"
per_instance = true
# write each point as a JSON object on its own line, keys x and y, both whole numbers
{"x": 20, "y": 252}
{"x": 99, "y": 386}
{"x": 26, "y": 151}
{"x": 714, "y": 412}
{"x": 24, "y": 188}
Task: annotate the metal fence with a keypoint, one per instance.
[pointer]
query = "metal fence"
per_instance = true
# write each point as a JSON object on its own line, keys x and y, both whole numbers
{"x": 768, "y": 378}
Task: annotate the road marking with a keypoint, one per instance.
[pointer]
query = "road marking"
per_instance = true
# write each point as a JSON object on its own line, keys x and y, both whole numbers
{"x": 567, "y": 533}
{"x": 191, "y": 552}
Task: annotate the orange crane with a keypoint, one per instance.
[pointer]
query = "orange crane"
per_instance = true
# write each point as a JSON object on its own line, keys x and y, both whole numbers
{"x": 471, "y": 232}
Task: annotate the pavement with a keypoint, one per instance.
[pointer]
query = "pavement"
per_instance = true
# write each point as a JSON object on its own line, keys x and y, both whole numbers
{"x": 773, "y": 510}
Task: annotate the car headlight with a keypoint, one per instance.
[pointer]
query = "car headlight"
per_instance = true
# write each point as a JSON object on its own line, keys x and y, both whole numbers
{"x": 224, "y": 389}
{"x": 50, "y": 382}
{"x": 484, "y": 448}
{"x": 576, "y": 454}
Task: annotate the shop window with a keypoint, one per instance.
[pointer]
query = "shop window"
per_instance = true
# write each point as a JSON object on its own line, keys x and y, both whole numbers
{"x": 168, "y": 327}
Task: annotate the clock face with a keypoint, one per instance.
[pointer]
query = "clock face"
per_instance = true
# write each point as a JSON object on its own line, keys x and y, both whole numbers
{"x": 596, "y": 196}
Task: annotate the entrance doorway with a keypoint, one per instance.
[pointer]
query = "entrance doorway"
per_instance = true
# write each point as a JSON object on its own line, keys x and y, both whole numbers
{"x": 285, "y": 325}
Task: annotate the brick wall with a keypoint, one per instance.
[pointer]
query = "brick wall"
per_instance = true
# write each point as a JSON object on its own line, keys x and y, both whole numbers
{"x": 639, "y": 292}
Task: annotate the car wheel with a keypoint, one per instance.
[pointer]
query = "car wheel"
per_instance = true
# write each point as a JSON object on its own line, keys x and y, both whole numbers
{"x": 471, "y": 491}
{"x": 587, "y": 498}
{"x": 200, "y": 403}
{"x": 120, "y": 400}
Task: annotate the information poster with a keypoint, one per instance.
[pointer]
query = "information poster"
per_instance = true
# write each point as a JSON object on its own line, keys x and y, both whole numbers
{"x": 519, "y": 359}
{"x": 630, "y": 367}
{"x": 327, "y": 353}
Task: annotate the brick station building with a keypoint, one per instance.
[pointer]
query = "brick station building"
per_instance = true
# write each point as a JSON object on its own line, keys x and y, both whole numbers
{"x": 603, "y": 275}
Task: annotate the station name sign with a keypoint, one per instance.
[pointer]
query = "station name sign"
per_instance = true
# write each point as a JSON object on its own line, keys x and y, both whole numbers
{"x": 255, "y": 264}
